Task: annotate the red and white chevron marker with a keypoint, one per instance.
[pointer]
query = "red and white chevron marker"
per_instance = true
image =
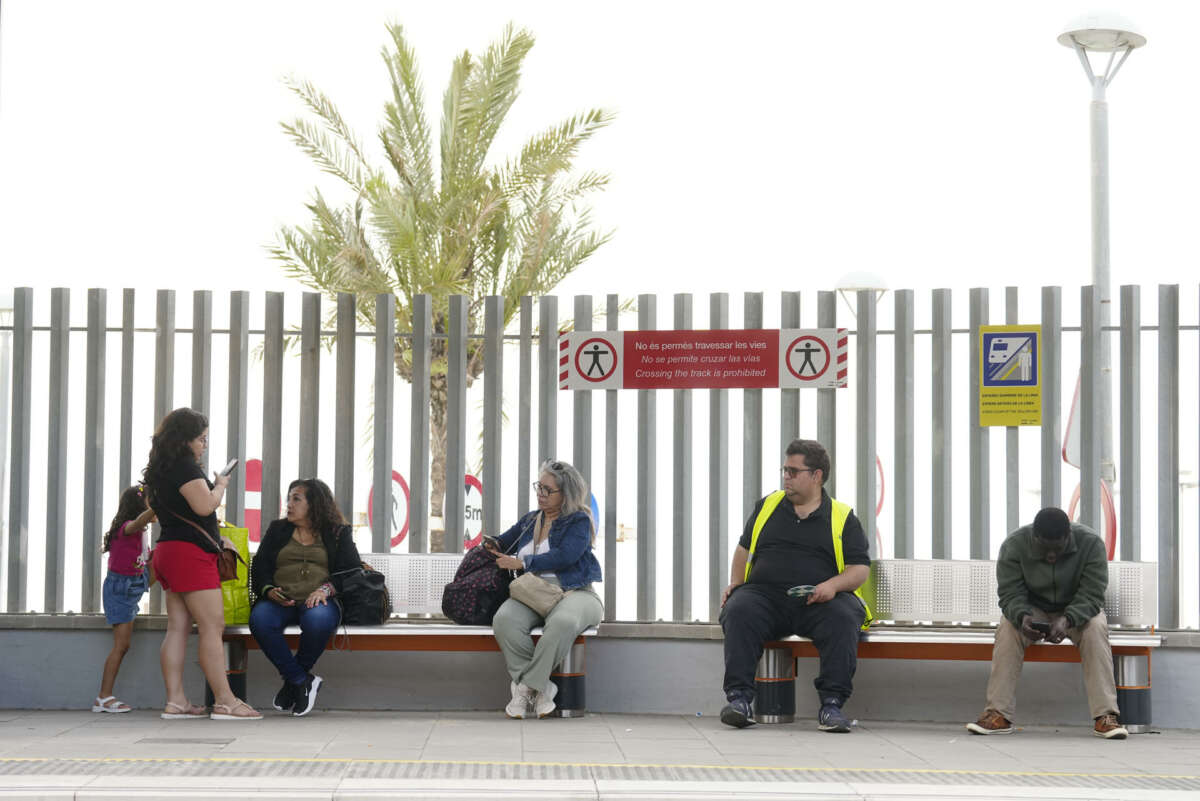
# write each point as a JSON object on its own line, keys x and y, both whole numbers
{"x": 564, "y": 345}
{"x": 842, "y": 339}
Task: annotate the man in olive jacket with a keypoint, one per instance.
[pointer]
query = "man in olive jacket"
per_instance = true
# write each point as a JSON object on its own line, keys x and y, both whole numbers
{"x": 1051, "y": 577}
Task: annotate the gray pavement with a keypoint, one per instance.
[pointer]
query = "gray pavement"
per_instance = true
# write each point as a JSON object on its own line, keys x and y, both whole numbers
{"x": 351, "y": 755}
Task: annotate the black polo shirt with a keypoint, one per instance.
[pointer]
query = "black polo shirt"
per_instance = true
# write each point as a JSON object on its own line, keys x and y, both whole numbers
{"x": 793, "y": 551}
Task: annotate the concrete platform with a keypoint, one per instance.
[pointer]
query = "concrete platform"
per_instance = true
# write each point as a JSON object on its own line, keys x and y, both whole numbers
{"x": 351, "y": 755}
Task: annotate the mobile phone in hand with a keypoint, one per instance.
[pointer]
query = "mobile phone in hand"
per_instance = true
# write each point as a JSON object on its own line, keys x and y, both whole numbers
{"x": 229, "y": 467}
{"x": 490, "y": 542}
{"x": 1041, "y": 626}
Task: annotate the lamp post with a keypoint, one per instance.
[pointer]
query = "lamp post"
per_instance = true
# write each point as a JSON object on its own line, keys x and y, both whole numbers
{"x": 1111, "y": 36}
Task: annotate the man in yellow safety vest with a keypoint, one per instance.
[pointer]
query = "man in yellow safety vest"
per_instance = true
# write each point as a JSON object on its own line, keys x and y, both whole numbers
{"x": 798, "y": 539}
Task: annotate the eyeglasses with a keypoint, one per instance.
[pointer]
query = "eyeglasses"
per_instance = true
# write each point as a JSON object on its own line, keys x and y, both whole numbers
{"x": 542, "y": 490}
{"x": 792, "y": 472}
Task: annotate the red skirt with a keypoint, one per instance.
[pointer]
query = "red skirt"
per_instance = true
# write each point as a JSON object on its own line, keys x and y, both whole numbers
{"x": 184, "y": 567}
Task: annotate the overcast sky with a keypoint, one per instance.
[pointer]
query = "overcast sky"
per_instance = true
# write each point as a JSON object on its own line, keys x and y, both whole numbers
{"x": 757, "y": 145}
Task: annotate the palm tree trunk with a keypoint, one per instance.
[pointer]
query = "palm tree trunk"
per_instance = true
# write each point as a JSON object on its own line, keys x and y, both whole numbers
{"x": 437, "y": 467}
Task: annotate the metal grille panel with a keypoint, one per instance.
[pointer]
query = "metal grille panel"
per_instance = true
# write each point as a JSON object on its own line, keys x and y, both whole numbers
{"x": 415, "y": 580}
{"x": 964, "y": 591}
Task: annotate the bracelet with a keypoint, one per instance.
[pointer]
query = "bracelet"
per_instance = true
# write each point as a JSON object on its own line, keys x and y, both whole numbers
{"x": 327, "y": 588}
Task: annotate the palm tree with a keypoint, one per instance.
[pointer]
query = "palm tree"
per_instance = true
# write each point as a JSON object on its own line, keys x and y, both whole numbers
{"x": 464, "y": 224}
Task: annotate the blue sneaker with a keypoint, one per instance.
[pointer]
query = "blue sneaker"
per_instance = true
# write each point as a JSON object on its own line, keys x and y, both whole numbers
{"x": 737, "y": 713}
{"x": 830, "y": 718}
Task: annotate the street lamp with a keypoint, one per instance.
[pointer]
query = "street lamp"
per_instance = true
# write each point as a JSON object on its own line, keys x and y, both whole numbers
{"x": 1114, "y": 36}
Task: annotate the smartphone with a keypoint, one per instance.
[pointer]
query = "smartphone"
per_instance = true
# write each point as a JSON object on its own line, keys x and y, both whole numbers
{"x": 229, "y": 467}
{"x": 1038, "y": 625}
{"x": 490, "y": 542}
{"x": 801, "y": 590}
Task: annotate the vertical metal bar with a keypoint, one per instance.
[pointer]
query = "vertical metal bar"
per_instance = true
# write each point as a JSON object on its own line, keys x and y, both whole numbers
{"x": 239, "y": 380}
{"x": 826, "y": 398}
{"x": 1168, "y": 456}
{"x": 789, "y": 399}
{"x": 125, "y": 471}
{"x": 581, "y": 447}
{"x": 942, "y": 425}
{"x": 385, "y": 389}
{"x": 310, "y": 382}
{"x": 56, "y": 449}
{"x": 525, "y": 406}
{"x": 547, "y": 378}
{"x": 202, "y": 351}
{"x": 18, "y": 482}
{"x": 864, "y": 442}
{"x": 979, "y": 436}
{"x": 343, "y": 436}
{"x": 752, "y": 418}
{"x": 1089, "y": 408}
{"x": 1012, "y": 437}
{"x": 93, "y": 450}
{"x": 272, "y": 415}
{"x": 647, "y": 505}
{"x": 904, "y": 486}
{"x": 164, "y": 384}
{"x": 681, "y": 473}
{"x": 611, "y": 438}
{"x": 456, "y": 424}
{"x": 493, "y": 411}
{"x": 1129, "y": 531}
{"x": 1051, "y": 396}
{"x": 5, "y": 399}
{"x": 164, "y": 354}
{"x": 718, "y": 472}
{"x": 422, "y": 359}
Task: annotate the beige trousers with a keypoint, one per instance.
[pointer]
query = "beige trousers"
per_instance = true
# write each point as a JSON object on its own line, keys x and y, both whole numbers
{"x": 1008, "y": 656}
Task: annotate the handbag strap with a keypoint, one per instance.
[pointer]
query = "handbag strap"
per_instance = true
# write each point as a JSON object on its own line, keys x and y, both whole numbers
{"x": 204, "y": 531}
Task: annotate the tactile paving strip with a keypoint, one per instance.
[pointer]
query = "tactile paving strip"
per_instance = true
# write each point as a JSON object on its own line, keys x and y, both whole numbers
{"x": 494, "y": 771}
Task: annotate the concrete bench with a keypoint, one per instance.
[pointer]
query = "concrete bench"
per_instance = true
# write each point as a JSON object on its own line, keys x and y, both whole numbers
{"x": 947, "y": 609}
{"x": 415, "y": 583}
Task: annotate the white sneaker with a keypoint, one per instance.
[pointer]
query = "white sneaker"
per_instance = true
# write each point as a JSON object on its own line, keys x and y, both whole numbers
{"x": 522, "y": 698}
{"x": 545, "y": 701}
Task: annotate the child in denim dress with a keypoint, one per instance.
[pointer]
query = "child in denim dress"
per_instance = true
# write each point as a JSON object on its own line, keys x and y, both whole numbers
{"x": 124, "y": 586}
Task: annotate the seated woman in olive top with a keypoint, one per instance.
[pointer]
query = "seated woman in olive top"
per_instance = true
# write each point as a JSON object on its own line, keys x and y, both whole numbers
{"x": 295, "y": 576}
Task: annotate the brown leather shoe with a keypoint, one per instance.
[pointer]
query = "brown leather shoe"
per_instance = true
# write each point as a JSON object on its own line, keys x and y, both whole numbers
{"x": 992, "y": 722}
{"x": 1108, "y": 727}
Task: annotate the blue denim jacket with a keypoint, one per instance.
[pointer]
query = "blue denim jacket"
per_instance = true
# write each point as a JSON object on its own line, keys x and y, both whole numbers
{"x": 570, "y": 555}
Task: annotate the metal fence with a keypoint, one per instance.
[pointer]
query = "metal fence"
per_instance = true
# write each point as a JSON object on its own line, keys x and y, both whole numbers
{"x": 699, "y": 472}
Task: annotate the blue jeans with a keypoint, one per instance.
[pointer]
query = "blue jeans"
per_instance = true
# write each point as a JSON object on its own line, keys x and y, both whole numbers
{"x": 267, "y": 622}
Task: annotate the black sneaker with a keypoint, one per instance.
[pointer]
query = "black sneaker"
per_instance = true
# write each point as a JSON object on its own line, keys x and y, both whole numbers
{"x": 306, "y": 695}
{"x": 285, "y": 699}
{"x": 831, "y": 719}
{"x": 737, "y": 713}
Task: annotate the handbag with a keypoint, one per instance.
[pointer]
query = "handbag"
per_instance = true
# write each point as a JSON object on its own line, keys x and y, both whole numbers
{"x": 478, "y": 589}
{"x": 364, "y": 597}
{"x": 535, "y": 592}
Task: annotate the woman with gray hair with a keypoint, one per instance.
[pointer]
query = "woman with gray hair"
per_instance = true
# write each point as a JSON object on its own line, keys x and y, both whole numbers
{"x": 555, "y": 543}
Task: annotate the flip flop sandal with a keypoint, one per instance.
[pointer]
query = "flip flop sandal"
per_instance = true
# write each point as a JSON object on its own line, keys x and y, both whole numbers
{"x": 227, "y": 714}
{"x": 110, "y": 704}
{"x": 176, "y": 712}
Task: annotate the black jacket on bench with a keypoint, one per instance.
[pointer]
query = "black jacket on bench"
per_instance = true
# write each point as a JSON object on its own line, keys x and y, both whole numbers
{"x": 339, "y": 547}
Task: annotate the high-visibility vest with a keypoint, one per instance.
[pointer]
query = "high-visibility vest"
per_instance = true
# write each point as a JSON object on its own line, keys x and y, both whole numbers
{"x": 840, "y": 513}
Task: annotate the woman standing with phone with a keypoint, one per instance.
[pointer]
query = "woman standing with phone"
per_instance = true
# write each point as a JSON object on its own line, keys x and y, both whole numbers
{"x": 185, "y": 562}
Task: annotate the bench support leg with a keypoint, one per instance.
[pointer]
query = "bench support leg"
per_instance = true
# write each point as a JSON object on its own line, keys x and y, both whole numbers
{"x": 775, "y": 687}
{"x": 235, "y": 671}
{"x": 1133, "y": 690}
{"x": 571, "y": 701}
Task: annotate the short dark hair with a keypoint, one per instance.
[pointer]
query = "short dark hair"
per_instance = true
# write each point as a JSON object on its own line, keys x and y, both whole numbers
{"x": 1051, "y": 523}
{"x": 814, "y": 453}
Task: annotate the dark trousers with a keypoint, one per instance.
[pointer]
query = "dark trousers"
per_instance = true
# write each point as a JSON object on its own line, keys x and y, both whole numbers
{"x": 267, "y": 622}
{"x": 755, "y": 614}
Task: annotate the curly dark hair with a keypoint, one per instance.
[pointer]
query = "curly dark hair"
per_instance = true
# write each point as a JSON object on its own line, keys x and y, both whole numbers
{"x": 132, "y": 504}
{"x": 169, "y": 444}
{"x": 814, "y": 453}
{"x": 323, "y": 513}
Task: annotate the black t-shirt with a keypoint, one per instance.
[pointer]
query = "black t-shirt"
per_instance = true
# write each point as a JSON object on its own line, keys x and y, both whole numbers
{"x": 170, "y": 506}
{"x": 793, "y": 551}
